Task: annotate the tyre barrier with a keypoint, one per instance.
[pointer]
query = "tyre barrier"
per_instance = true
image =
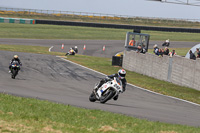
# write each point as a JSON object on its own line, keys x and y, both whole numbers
{"x": 17, "y": 20}
{"x": 118, "y": 26}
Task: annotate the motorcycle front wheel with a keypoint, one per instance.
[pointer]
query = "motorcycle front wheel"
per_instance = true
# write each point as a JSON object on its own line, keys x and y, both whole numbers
{"x": 106, "y": 97}
{"x": 92, "y": 97}
{"x": 14, "y": 74}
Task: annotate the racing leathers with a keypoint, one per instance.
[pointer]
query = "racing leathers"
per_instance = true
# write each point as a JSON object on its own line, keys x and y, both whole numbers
{"x": 15, "y": 59}
{"x": 112, "y": 77}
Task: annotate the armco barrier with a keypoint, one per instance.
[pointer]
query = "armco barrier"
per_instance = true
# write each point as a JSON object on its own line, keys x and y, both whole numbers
{"x": 17, "y": 20}
{"x": 118, "y": 26}
{"x": 176, "y": 69}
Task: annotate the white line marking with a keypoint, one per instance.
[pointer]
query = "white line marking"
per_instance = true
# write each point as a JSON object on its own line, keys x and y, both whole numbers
{"x": 50, "y": 48}
{"x": 132, "y": 84}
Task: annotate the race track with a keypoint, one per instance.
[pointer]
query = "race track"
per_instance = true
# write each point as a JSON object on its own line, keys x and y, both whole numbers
{"x": 54, "y": 79}
{"x": 93, "y": 47}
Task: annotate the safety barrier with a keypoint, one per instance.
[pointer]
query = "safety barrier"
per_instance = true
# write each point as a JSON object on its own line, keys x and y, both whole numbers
{"x": 178, "y": 70}
{"x": 119, "y": 26}
{"x": 17, "y": 20}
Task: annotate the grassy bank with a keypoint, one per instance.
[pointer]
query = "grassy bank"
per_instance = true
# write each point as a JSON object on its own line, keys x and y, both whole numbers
{"x": 30, "y": 115}
{"x": 81, "y": 33}
{"x": 104, "y": 65}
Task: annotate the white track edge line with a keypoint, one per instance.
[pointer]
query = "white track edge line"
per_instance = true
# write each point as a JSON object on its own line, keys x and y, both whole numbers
{"x": 50, "y": 48}
{"x": 132, "y": 84}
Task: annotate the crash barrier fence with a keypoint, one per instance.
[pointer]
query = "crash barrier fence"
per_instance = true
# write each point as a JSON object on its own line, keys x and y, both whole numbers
{"x": 95, "y": 16}
{"x": 101, "y": 25}
{"x": 118, "y": 26}
{"x": 178, "y": 70}
{"x": 17, "y": 20}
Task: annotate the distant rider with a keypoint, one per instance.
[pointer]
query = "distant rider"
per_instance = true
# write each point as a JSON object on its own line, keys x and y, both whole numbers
{"x": 71, "y": 52}
{"x": 166, "y": 43}
{"x": 16, "y": 58}
{"x": 121, "y": 75}
{"x": 75, "y": 49}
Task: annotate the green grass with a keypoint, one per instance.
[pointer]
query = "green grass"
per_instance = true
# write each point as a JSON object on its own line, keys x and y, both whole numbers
{"x": 19, "y": 114}
{"x": 82, "y": 33}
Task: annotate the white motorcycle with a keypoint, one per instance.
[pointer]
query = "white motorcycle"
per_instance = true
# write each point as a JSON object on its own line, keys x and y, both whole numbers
{"x": 107, "y": 91}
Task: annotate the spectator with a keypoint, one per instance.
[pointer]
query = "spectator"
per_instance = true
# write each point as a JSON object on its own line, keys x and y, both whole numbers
{"x": 140, "y": 49}
{"x": 172, "y": 53}
{"x": 166, "y": 51}
{"x": 198, "y": 52}
{"x": 132, "y": 42}
{"x": 161, "y": 52}
{"x": 192, "y": 56}
{"x": 156, "y": 49}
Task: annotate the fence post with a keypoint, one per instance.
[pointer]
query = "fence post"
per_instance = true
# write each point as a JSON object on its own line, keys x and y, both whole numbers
{"x": 170, "y": 69}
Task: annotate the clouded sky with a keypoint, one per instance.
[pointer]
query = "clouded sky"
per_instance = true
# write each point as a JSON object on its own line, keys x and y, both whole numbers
{"x": 141, "y": 8}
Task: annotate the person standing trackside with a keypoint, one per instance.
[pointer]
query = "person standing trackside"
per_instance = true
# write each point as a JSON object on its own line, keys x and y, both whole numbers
{"x": 172, "y": 53}
{"x": 198, "y": 52}
{"x": 156, "y": 49}
{"x": 132, "y": 42}
{"x": 166, "y": 51}
{"x": 192, "y": 56}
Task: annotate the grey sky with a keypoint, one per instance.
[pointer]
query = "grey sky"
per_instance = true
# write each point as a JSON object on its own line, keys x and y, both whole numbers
{"x": 120, "y": 7}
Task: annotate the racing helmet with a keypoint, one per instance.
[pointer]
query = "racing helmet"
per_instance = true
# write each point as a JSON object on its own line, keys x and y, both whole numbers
{"x": 15, "y": 56}
{"x": 122, "y": 73}
{"x": 75, "y": 47}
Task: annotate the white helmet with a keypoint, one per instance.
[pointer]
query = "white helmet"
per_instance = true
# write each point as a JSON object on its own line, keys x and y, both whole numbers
{"x": 122, "y": 73}
{"x": 75, "y": 47}
{"x": 15, "y": 56}
{"x": 155, "y": 46}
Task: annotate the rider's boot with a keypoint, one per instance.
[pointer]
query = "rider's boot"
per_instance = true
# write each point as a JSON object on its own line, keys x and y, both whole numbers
{"x": 116, "y": 97}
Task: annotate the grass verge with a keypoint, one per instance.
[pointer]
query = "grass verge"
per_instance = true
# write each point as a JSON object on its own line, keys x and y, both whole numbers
{"x": 76, "y": 32}
{"x": 31, "y": 115}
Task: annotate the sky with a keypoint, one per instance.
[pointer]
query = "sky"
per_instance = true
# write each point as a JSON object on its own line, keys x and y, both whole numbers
{"x": 140, "y": 8}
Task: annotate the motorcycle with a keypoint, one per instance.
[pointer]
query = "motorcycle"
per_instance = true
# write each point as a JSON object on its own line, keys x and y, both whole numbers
{"x": 71, "y": 52}
{"x": 166, "y": 43}
{"x": 107, "y": 91}
{"x": 15, "y": 67}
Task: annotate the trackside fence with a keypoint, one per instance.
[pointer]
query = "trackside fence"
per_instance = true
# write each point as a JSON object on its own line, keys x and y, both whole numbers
{"x": 176, "y": 69}
{"x": 87, "y": 16}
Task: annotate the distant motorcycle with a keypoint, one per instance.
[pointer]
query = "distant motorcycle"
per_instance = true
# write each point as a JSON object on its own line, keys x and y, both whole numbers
{"x": 71, "y": 52}
{"x": 15, "y": 67}
{"x": 107, "y": 91}
{"x": 166, "y": 43}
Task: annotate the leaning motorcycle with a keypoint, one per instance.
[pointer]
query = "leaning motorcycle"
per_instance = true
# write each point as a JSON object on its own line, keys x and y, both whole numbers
{"x": 71, "y": 52}
{"x": 107, "y": 91}
{"x": 15, "y": 67}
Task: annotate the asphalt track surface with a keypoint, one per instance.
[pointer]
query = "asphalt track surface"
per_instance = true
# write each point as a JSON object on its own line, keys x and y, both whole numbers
{"x": 54, "y": 79}
{"x": 93, "y": 47}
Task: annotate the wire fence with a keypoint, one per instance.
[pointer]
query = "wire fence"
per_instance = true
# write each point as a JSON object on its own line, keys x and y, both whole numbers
{"x": 93, "y": 16}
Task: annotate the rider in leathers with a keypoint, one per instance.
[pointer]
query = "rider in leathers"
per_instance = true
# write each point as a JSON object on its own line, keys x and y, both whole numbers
{"x": 15, "y": 59}
{"x": 121, "y": 75}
